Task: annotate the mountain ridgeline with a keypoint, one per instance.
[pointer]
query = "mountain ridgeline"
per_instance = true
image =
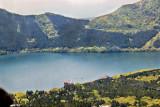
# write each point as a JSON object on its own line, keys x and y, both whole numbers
{"x": 131, "y": 26}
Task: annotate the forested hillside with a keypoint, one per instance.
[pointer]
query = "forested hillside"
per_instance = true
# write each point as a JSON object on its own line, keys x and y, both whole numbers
{"x": 131, "y": 27}
{"x": 131, "y": 19}
{"x": 141, "y": 88}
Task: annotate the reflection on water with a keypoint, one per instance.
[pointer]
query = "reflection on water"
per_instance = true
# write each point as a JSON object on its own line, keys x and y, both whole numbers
{"x": 43, "y": 71}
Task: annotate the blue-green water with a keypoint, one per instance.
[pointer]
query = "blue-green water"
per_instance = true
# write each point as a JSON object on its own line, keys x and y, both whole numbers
{"x": 43, "y": 71}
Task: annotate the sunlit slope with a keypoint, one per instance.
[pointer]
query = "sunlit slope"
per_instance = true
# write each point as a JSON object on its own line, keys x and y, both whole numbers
{"x": 130, "y": 19}
{"x": 141, "y": 16}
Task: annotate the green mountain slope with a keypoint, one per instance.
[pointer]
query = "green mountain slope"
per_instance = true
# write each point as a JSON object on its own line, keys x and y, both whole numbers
{"x": 49, "y": 30}
{"x": 136, "y": 89}
{"x": 132, "y": 18}
{"x": 46, "y": 25}
{"x": 133, "y": 27}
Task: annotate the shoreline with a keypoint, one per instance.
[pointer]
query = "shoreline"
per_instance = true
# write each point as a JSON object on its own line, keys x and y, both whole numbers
{"x": 113, "y": 77}
{"x": 79, "y": 50}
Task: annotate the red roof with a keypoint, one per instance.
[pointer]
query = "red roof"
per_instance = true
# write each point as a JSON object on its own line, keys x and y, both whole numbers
{"x": 91, "y": 81}
{"x": 104, "y": 77}
{"x": 68, "y": 83}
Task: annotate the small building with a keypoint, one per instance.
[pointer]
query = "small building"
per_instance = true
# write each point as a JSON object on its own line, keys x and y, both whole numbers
{"x": 105, "y": 106}
{"x": 104, "y": 77}
{"x": 91, "y": 81}
{"x": 14, "y": 105}
{"x": 68, "y": 83}
{"x": 158, "y": 89}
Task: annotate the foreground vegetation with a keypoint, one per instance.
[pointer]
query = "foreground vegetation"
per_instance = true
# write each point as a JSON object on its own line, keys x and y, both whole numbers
{"x": 3, "y": 52}
{"x": 141, "y": 88}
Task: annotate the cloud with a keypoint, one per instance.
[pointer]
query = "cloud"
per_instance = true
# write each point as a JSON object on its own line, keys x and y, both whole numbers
{"x": 72, "y": 8}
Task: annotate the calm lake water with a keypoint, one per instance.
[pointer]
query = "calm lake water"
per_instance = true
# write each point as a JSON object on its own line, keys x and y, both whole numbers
{"x": 44, "y": 71}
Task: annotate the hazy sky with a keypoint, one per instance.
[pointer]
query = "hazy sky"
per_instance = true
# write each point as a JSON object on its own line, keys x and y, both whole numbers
{"x": 71, "y": 8}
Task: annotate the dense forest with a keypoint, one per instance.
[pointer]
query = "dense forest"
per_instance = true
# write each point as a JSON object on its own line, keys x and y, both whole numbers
{"x": 141, "y": 89}
{"x": 131, "y": 27}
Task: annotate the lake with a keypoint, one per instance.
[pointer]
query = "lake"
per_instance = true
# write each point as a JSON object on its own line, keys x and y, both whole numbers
{"x": 44, "y": 71}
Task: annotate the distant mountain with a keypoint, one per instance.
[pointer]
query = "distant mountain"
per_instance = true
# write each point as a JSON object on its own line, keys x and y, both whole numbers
{"x": 49, "y": 30}
{"x": 42, "y": 31}
{"x": 131, "y": 26}
{"x": 131, "y": 19}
